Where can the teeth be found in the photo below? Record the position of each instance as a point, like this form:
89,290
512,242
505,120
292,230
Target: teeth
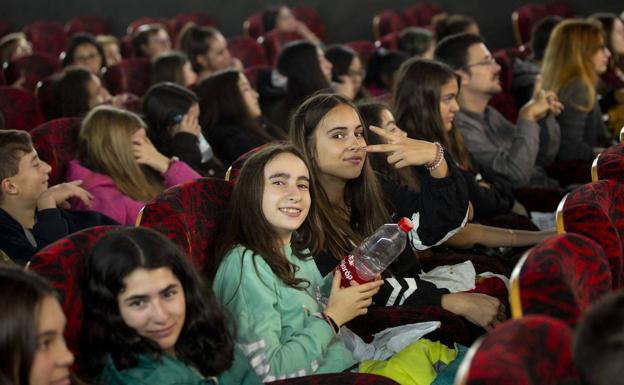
290,210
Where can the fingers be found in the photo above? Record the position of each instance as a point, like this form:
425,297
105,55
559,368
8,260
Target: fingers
537,88
382,147
384,134
336,280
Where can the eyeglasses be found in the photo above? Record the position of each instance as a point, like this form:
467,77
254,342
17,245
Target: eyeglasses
486,62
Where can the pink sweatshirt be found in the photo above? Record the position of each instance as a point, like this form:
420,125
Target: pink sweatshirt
108,200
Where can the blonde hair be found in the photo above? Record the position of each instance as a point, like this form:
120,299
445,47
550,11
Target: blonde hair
106,147
568,57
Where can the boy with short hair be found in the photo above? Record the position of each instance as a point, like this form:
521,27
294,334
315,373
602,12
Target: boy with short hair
31,216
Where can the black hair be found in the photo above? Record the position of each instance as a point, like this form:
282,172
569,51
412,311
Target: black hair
452,24
415,41
453,49
71,93
163,103
540,35
269,17
141,37
168,67
77,40
382,65
204,342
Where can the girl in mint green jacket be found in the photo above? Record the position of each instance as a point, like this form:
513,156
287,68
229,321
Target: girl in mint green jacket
150,319
267,279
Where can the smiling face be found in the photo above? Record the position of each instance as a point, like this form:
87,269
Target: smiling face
339,142
152,303
31,179
52,358
286,194
448,103
481,72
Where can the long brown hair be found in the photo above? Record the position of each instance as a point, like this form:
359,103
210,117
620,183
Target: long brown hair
568,57
105,146
417,105
245,224
363,195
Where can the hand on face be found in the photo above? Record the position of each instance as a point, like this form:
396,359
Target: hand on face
57,196
146,154
347,303
188,124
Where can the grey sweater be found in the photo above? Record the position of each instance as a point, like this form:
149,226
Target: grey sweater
518,152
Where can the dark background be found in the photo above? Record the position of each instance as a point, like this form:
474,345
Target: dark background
344,20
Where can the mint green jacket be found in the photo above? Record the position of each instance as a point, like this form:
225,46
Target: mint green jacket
170,371
275,323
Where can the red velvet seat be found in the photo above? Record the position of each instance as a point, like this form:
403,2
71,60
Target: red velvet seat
34,68
252,26
527,15
560,277
595,210
609,164
44,91
534,350
46,37
274,41
312,19
20,109
364,48
62,263
387,21
92,24
199,18
389,41
130,75
56,143
248,50
504,102
420,15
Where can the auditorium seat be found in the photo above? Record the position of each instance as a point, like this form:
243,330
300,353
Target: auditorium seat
92,24
56,142
20,109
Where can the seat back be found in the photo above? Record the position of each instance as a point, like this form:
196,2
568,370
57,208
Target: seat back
312,19
188,214
364,48
560,278
198,18
20,109
274,41
595,210
389,41
526,16
34,68
609,164
46,37
421,15
247,50
253,26
92,24
130,75
533,350
62,264
387,21
56,143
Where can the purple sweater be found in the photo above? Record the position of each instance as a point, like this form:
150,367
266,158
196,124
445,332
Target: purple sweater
108,200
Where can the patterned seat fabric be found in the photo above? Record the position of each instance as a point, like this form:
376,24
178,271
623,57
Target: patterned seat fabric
562,276
188,213
62,263
46,37
94,25
34,68
20,109
526,16
610,163
595,210
130,75
247,50
533,350
56,142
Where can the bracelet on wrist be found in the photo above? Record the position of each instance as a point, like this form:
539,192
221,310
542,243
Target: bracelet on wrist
437,161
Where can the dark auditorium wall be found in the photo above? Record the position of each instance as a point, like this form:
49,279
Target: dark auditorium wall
345,19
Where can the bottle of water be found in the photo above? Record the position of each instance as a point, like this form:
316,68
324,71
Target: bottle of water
375,253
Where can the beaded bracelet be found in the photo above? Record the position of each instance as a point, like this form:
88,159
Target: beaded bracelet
438,158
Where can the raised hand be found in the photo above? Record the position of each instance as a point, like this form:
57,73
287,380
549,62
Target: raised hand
344,304
541,103
145,153
403,151
57,196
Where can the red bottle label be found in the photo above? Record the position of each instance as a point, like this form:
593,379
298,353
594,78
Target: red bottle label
348,272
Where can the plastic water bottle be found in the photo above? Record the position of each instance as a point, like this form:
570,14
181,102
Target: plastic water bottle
375,253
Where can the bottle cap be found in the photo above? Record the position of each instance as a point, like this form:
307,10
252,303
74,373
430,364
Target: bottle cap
406,225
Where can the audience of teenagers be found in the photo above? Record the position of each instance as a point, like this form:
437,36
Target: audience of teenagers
119,166
331,146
